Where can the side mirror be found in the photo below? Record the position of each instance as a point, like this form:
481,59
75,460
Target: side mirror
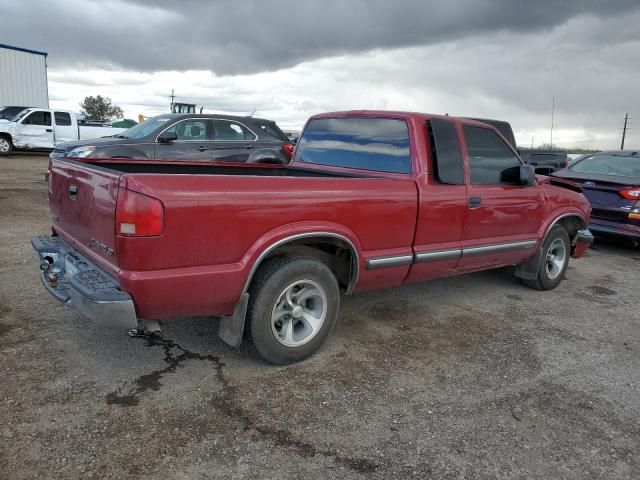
167,137
527,175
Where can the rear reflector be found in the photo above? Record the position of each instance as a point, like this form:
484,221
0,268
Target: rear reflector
138,215
631,193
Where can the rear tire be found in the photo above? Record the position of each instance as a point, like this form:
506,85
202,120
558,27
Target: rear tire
293,306
6,145
556,250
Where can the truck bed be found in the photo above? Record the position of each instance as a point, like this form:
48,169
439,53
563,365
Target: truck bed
216,219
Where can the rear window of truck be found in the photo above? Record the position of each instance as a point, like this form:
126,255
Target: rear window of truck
377,144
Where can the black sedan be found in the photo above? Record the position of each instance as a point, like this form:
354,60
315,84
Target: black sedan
190,137
611,182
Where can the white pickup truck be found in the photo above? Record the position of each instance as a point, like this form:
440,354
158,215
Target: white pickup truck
43,129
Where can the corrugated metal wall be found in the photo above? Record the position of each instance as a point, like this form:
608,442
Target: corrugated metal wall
23,79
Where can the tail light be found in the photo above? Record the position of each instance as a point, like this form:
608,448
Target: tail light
138,215
631,193
288,150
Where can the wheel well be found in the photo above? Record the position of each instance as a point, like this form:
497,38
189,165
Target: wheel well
337,254
7,136
572,224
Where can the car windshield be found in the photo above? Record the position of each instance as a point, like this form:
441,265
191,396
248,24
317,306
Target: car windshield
607,164
20,115
143,129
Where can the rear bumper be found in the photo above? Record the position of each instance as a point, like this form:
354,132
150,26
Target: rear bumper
614,229
81,285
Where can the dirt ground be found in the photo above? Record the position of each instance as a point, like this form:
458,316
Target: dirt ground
468,377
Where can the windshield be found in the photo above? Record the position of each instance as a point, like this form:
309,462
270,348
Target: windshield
616,165
20,115
145,128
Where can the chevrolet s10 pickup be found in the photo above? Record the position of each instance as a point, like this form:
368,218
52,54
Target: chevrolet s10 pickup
370,200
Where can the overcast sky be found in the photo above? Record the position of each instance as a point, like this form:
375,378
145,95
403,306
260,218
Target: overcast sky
289,59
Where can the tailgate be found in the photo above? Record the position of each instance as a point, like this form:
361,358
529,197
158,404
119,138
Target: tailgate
82,199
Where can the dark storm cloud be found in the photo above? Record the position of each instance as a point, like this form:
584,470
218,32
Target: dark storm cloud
234,36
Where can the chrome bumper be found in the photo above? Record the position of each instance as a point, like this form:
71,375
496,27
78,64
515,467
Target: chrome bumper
81,285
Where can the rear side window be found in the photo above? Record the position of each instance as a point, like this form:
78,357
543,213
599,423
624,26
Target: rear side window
272,129
490,159
227,130
378,144
445,152
62,118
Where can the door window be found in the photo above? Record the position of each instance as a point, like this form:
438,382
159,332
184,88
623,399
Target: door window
190,130
63,119
491,161
445,152
226,130
38,118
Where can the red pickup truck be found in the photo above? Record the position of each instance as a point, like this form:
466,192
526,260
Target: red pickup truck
370,200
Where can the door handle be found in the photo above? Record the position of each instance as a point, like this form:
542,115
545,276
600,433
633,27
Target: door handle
475,202
201,148
49,130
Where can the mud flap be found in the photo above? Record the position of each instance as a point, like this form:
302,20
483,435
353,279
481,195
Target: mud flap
231,327
529,270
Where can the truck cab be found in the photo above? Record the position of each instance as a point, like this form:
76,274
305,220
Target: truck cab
43,129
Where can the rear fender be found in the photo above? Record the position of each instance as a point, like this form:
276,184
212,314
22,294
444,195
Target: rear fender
280,236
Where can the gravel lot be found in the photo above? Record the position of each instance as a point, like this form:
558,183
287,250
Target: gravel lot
468,377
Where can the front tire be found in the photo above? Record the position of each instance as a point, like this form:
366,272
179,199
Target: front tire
556,250
293,306
6,145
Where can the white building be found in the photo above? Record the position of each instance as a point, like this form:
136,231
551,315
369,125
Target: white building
23,77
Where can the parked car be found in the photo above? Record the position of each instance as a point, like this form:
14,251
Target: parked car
208,137
370,200
545,161
43,129
611,182
8,112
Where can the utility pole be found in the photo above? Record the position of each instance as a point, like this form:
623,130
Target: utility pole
553,110
531,143
624,130
173,97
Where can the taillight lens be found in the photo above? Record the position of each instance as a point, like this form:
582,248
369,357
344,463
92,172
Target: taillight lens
138,215
631,193
288,149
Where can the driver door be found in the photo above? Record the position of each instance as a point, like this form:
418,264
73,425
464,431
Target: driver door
192,142
35,130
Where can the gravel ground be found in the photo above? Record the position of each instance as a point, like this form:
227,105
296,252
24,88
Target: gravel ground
468,377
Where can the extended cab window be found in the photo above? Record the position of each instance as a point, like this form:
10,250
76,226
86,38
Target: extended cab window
490,159
62,118
380,144
38,118
445,152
